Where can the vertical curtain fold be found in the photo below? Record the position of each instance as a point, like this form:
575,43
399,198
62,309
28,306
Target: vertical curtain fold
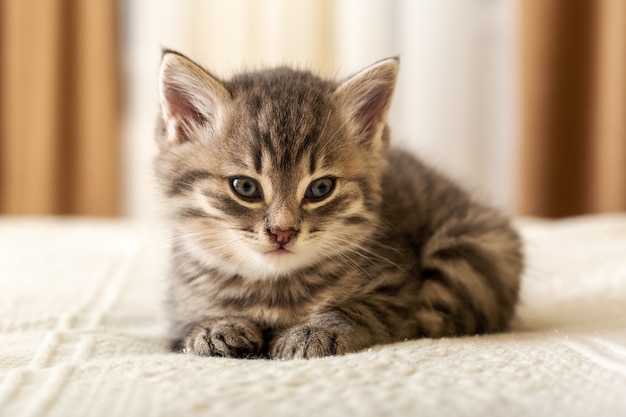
59,108
573,110
608,164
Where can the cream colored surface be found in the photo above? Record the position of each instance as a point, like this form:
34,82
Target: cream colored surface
81,334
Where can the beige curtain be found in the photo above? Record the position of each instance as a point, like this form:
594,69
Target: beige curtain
573,107
59,107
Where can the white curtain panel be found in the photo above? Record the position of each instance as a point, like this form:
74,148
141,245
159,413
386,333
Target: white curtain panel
455,103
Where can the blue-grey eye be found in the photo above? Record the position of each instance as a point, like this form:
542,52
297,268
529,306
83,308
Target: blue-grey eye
320,189
246,188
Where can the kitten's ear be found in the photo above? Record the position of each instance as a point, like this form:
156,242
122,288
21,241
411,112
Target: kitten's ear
366,97
191,99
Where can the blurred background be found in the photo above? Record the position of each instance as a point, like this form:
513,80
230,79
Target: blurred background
522,101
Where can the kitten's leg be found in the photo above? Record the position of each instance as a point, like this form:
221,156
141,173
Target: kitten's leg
470,277
232,337
380,315
325,334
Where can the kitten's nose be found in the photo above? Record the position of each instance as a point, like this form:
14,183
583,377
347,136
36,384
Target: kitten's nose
282,237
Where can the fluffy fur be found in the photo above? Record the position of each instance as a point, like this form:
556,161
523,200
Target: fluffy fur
299,233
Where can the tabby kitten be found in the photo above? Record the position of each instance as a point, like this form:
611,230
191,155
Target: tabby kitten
299,233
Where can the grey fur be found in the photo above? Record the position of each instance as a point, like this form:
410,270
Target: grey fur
396,251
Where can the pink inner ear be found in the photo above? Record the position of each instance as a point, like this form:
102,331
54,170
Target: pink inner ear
372,112
181,108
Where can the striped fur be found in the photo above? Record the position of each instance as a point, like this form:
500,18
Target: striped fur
394,251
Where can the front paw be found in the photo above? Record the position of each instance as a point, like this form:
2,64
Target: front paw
224,337
311,341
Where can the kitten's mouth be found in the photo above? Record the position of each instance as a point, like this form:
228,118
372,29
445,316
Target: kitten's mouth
279,251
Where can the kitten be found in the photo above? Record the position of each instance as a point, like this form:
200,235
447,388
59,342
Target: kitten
299,233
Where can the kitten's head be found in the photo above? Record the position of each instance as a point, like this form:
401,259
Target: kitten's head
275,170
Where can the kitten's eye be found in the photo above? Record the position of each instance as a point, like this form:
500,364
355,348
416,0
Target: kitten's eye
246,188
320,189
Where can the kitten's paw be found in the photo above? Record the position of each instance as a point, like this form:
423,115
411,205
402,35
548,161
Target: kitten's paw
226,337
310,341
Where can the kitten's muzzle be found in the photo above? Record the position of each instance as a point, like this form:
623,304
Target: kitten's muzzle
282,237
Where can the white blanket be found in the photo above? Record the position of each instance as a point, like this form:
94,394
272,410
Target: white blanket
82,334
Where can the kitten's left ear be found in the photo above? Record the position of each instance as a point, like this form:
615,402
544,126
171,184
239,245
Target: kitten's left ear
366,97
192,100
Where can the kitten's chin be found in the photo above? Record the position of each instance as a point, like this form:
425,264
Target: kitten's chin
273,263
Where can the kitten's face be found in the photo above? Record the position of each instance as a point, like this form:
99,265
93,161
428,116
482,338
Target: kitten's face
272,171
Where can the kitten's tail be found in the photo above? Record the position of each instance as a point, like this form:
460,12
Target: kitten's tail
470,276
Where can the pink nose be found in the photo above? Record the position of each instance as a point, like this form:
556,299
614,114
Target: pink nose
282,237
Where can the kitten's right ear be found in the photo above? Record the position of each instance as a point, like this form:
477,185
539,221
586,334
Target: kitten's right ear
191,99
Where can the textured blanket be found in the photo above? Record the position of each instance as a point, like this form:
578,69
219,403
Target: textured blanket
82,334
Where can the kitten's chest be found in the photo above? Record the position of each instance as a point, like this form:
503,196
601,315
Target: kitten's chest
275,302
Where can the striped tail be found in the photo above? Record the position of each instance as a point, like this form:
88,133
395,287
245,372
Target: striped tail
470,276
